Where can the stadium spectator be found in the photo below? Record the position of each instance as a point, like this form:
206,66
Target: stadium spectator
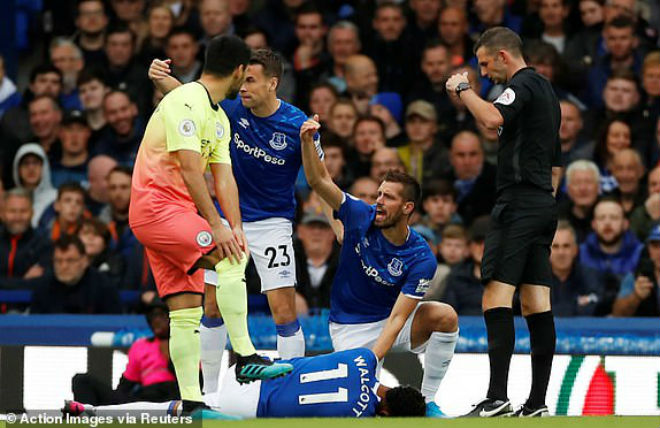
31,172
439,205
361,76
389,109
464,289
72,287
615,137
366,189
321,97
98,169
452,250
628,171
255,38
15,124
651,84
423,22
215,19
149,374
390,48
619,36
160,21
69,211
457,117
334,150
576,290
639,294
368,136
71,163
611,247
182,48
92,89
647,35
582,49
384,160
123,71
317,257
453,31
309,58
435,66
115,214
91,24
573,146
343,42
131,14
276,18
423,157
583,187
121,139
493,13
9,95
24,253
68,58
648,214
95,236
45,120
341,119
553,14
473,177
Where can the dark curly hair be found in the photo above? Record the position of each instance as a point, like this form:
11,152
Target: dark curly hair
405,401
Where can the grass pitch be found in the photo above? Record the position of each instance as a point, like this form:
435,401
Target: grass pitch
553,422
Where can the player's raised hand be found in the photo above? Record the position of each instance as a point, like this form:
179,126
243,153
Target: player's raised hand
309,128
159,69
227,245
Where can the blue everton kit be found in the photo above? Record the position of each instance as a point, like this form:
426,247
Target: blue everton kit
373,270
341,384
266,158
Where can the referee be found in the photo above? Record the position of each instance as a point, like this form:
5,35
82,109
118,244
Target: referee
524,218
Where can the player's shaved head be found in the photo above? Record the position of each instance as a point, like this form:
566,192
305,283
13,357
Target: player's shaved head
224,54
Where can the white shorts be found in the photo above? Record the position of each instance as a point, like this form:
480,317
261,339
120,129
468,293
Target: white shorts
365,335
235,399
271,246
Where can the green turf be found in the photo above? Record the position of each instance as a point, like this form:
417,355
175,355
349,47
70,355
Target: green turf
554,422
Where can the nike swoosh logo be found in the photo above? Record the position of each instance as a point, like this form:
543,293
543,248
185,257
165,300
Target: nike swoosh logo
487,414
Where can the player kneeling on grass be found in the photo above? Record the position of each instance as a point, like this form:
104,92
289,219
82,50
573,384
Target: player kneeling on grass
340,384
385,268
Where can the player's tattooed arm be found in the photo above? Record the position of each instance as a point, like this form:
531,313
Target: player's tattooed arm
160,74
402,309
317,175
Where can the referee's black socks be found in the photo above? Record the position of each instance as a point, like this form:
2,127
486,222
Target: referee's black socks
542,340
501,336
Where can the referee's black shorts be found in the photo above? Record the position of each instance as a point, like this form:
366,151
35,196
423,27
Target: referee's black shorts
517,247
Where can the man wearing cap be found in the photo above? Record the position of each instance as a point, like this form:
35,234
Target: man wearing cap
317,257
639,294
423,158
71,165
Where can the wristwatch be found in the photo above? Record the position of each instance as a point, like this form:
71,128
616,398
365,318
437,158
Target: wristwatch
463,86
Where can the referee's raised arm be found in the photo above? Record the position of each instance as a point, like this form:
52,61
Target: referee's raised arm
524,219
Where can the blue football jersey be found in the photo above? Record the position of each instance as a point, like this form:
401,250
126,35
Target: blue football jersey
373,271
341,384
266,158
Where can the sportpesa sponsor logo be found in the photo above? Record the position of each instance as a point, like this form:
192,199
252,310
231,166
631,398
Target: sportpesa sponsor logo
257,152
371,271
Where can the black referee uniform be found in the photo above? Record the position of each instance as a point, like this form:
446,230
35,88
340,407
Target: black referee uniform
524,218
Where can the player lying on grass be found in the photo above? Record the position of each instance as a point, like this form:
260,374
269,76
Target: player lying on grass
385,268
340,384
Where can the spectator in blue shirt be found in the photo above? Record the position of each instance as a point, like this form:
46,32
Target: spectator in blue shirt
611,247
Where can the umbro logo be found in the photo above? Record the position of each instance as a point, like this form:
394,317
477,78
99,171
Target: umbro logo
244,123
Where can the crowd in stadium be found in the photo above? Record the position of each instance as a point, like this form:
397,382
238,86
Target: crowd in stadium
375,73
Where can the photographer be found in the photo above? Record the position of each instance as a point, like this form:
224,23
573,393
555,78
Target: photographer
639,295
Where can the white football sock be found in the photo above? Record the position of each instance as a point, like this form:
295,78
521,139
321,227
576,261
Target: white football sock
213,341
438,355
